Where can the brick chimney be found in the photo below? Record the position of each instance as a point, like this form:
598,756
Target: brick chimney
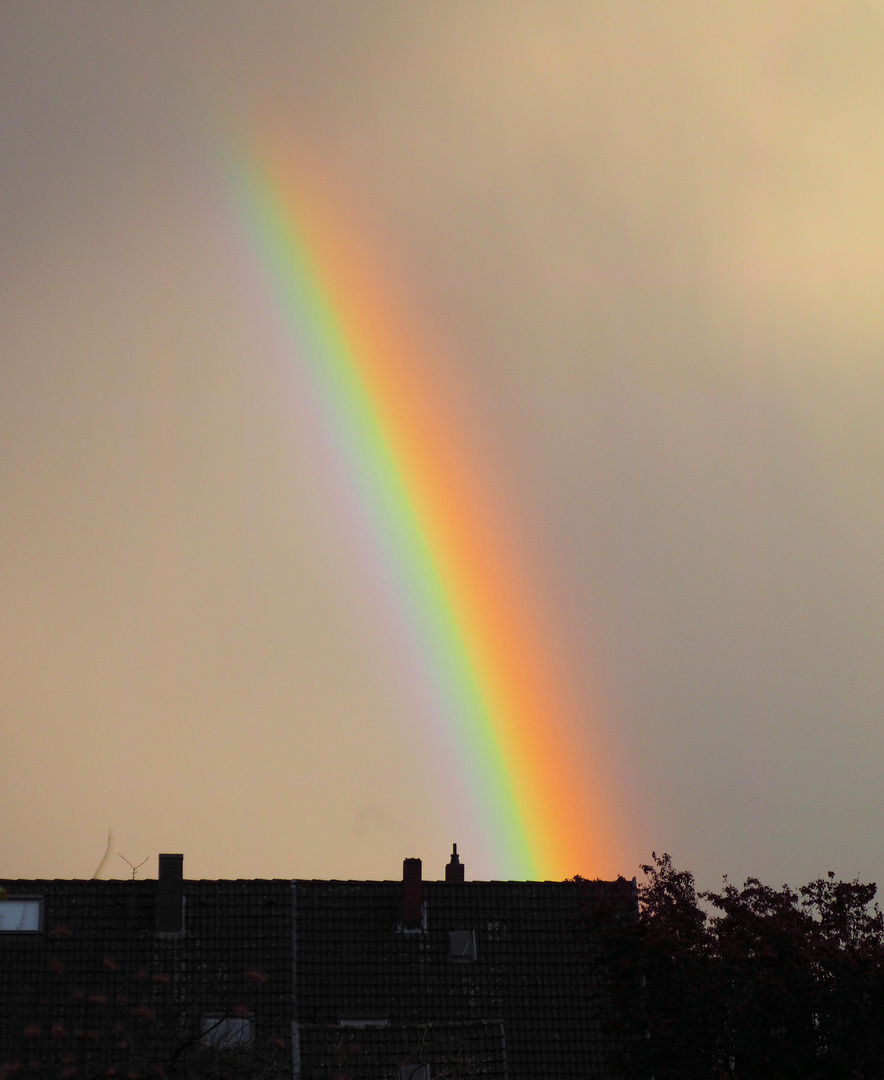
170,895
412,894
454,869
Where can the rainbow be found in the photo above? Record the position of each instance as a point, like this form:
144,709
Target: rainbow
454,577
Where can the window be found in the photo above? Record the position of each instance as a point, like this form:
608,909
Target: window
462,945
364,1021
226,1032
412,1071
21,915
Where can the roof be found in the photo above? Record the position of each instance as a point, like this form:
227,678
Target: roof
98,975
306,962
532,970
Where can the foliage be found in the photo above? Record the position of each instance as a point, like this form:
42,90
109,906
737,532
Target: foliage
748,983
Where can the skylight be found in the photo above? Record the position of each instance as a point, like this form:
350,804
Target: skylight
21,915
226,1032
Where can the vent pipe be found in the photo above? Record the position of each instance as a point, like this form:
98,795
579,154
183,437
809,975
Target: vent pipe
454,869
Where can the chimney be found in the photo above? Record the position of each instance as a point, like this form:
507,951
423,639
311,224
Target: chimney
170,895
412,894
454,869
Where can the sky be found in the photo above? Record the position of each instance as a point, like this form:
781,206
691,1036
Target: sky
640,246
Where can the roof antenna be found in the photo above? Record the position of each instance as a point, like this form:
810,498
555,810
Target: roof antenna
133,866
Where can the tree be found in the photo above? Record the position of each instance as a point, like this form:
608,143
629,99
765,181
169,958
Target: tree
750,983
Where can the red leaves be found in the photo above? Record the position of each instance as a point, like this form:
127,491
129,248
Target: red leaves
240,1010
60,932
255,976
145,1012
56,967
109,964
32,1031
57,1031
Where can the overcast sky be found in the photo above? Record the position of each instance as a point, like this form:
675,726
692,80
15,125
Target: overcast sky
647,241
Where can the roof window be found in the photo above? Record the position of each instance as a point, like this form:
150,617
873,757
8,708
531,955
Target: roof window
226,1032
462,945
412,1071
21,915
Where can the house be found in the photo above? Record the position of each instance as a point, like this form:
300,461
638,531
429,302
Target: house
405,980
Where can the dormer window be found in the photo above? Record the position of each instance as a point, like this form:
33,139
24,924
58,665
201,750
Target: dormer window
21,915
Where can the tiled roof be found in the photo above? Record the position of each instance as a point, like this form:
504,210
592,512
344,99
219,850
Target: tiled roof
476,1048
98,975
532,971
514,995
